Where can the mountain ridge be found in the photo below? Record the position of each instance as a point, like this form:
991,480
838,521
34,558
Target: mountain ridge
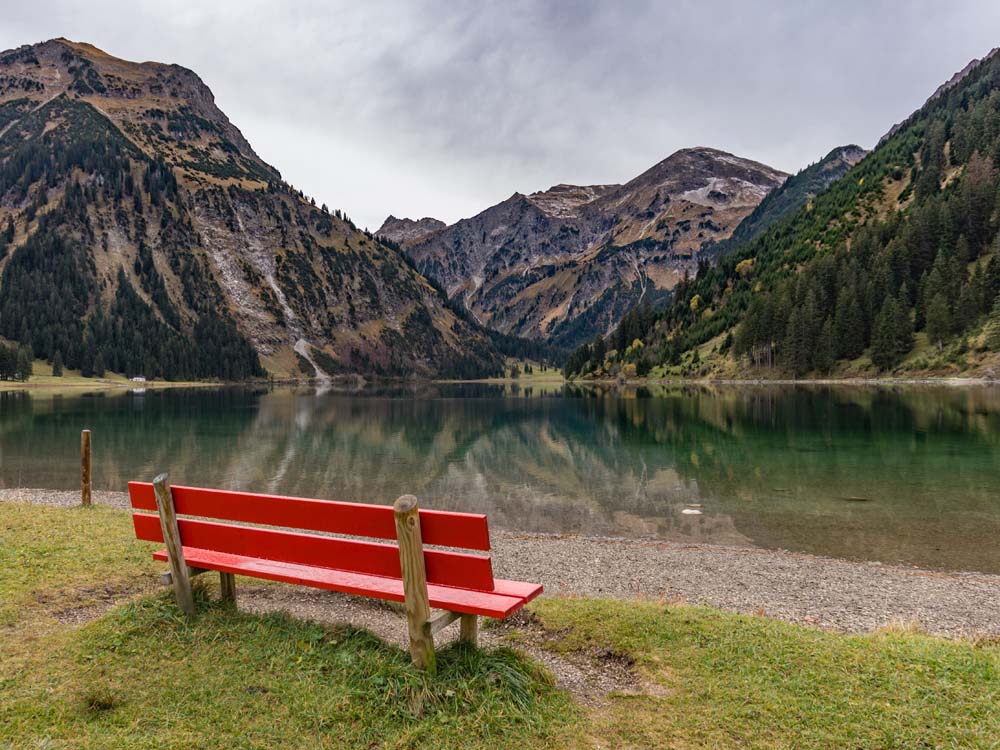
893,269
565,263
177,230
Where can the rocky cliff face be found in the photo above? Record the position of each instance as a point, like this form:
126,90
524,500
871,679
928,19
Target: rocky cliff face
142,233
408,231
566,263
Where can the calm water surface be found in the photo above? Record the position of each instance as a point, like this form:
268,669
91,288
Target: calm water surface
899,475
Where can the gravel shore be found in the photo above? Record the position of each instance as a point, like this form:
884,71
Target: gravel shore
821,592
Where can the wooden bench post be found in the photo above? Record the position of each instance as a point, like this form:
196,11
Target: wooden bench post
411,560
469,629
228,585
85,485
172,539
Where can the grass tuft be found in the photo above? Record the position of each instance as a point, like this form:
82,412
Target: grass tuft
100,698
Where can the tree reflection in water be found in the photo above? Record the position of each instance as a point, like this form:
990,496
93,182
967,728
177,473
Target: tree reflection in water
895,474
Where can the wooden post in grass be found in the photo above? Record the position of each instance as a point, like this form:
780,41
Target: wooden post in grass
85,488
228,582
411,560
469,626
172,538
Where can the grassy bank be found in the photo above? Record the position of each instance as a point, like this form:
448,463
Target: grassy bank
135,674
70,381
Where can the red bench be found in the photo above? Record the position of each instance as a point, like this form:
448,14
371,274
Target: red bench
460,583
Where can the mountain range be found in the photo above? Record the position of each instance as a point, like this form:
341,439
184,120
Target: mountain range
566,263
141,233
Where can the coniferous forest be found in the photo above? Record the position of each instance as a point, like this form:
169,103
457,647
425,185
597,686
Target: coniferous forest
906,243
141,234
50,296
15,362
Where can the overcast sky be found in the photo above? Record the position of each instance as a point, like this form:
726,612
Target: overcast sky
442,108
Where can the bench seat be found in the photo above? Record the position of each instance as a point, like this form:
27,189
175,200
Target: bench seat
506,598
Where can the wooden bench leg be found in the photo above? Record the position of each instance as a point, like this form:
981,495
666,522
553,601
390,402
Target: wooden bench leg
228,581
469,629
172,539
168,580
411,561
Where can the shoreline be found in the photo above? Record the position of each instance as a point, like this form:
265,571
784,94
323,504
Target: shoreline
955,382
99,384
50,384
826,593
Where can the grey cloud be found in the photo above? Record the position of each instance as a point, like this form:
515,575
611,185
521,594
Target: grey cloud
442,108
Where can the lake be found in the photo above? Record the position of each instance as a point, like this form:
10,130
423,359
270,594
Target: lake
908,474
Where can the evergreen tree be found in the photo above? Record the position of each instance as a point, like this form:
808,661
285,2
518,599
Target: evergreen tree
24,363
902,327
57,365
885,348
993,328
798,343
8,362
938,320
849,324
991,276
826,348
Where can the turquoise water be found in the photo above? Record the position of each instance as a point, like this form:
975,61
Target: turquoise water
899,475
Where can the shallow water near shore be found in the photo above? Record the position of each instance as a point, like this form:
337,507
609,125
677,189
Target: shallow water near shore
896,474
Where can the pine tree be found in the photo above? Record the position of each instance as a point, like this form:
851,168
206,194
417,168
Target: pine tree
826,348
902,327
885,351
938,320
57,365
991,277
798,346
24,364
993,328
849,324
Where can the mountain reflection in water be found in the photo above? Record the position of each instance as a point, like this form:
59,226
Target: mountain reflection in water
894,474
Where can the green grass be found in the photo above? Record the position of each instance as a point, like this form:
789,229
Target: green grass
53,559
752,682
141,676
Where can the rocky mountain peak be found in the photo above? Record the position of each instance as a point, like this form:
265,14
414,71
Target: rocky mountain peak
407,231
564,200
166,110
566,263
709,177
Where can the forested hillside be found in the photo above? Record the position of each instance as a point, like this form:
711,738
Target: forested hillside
140,233
894,268
794,193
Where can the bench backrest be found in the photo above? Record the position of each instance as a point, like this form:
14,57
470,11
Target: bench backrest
441,528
